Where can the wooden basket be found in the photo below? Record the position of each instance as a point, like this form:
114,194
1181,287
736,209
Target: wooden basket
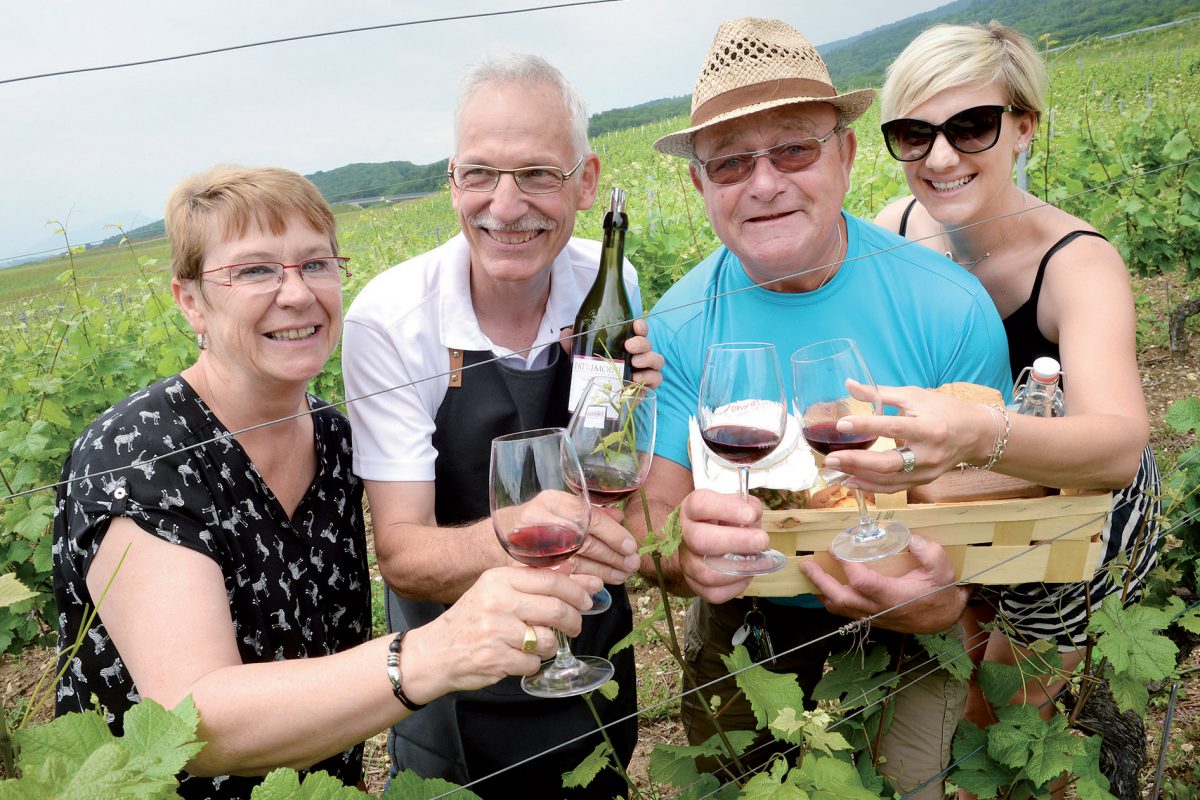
989,541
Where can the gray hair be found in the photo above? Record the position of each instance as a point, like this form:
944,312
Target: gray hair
526,70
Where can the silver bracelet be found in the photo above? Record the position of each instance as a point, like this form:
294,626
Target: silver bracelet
1003,430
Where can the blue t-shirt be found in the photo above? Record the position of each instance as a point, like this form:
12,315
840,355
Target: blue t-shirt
918,319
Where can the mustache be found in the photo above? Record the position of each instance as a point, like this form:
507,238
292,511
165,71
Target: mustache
532,221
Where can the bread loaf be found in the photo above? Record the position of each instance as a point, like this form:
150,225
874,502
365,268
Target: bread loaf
971,392
837,496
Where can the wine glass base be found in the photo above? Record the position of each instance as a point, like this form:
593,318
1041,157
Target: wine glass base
587,674
858,544
747,564
601,602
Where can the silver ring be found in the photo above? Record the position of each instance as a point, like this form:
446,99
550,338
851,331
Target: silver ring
910,460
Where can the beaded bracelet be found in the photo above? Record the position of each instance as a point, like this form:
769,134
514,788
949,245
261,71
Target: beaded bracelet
393,673
1002,434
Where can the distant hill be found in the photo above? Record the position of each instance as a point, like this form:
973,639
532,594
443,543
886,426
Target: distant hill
355,181
853,63
861,60
643,114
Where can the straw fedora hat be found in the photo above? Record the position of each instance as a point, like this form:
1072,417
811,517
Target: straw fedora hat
753,65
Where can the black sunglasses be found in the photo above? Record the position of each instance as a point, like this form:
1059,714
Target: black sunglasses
970,131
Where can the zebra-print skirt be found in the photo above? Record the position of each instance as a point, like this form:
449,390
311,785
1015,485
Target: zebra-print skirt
1059,612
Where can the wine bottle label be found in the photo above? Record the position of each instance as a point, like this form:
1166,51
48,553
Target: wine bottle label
585,368
595,416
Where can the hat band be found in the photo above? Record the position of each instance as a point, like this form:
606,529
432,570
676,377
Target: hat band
746,96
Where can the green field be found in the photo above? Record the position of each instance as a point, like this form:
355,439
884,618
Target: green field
97,269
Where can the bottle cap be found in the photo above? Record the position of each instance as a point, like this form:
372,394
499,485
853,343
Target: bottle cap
1045,369
617,201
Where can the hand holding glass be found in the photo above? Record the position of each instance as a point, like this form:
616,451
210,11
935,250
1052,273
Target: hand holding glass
820,372
540,512
742,415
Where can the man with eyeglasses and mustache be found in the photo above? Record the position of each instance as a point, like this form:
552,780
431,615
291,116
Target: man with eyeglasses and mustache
771,153
458,346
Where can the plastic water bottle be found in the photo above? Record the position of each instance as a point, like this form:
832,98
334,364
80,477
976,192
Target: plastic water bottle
1038,391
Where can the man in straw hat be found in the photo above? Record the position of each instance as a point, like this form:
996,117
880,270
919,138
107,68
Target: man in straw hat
770,151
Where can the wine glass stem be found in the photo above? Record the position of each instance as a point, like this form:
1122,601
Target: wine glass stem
867,529
564,658
744,483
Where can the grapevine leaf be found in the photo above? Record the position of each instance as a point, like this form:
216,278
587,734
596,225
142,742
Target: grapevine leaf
589,768
788,727
1179,148
285,784
1021,738
610,690
999,681
1184,415
1128,693
811,727
767,692
1190,621
856,680
1090,783
12,591
1127,638
666,540
768,785
642,632
164,741
676,764
408,785
949,651
824,778
70,739
977,772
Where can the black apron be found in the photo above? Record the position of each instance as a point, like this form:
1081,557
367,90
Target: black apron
469,735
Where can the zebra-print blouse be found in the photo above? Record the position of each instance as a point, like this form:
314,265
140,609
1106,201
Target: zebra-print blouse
297,588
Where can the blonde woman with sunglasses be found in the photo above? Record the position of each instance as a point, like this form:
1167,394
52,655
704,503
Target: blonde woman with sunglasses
960,105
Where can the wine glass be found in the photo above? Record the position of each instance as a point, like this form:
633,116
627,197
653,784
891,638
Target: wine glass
540,512
820,372
612,430
742,416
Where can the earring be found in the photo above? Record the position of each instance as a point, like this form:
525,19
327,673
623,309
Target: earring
201,341
1020,146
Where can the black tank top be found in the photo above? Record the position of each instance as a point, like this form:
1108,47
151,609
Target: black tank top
1025,339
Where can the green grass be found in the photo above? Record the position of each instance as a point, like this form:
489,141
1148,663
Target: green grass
37,283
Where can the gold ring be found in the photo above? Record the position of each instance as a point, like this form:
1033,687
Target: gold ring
530,642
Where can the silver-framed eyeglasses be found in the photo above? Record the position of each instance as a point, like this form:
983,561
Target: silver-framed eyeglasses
531,180
267,276
734,168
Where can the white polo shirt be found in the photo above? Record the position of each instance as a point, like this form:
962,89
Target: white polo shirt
397,337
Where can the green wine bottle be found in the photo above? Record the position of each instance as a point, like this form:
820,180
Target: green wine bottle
605,318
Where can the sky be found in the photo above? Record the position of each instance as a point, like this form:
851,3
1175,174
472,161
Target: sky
106,147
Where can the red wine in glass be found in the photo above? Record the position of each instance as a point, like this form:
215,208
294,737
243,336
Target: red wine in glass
742,413
820,373
612,428
541,514
608,486
741,444
543,545
825,438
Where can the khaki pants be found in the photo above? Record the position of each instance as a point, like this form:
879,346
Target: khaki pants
928,703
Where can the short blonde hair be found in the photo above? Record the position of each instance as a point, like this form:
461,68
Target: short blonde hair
948,56
226,199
